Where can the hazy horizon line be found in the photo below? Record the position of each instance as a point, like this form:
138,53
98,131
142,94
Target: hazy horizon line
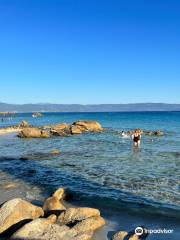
86,104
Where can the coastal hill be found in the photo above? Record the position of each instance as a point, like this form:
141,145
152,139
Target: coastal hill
48,107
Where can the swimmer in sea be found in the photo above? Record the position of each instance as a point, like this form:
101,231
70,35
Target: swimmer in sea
136,137
124,135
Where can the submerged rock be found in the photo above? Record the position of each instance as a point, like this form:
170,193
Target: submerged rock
33,133
17,210
55,152
154,133
38,156
8,186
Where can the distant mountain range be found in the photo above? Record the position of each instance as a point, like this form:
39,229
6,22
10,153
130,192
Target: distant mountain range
48,107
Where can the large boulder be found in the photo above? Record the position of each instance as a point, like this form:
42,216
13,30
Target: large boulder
41,229
76,129
88,126
33,133
72,215
53,204
17,210
62,130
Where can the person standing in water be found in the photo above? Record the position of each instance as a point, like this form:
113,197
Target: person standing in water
136,137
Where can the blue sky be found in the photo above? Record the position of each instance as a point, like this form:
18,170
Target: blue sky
89,51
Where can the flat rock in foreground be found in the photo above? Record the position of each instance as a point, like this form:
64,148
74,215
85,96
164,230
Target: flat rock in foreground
17,210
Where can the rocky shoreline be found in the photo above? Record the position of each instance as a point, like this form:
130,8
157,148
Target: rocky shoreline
25,130
28,131
20,219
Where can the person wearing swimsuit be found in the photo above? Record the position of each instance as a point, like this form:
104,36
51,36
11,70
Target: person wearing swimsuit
136,137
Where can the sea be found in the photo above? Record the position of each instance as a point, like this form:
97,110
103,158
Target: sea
101,170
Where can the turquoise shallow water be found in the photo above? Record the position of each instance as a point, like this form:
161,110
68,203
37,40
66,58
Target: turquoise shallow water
102,167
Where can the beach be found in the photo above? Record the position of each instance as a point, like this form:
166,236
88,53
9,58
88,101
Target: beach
9,130
101,170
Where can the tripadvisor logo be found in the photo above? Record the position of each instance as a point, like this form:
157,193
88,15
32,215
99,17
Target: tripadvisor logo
140,231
